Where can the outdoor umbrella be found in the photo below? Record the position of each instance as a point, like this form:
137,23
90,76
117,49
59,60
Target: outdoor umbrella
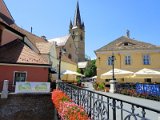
69,72
118,73
70,75
147,73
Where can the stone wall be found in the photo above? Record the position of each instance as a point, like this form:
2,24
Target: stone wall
27,107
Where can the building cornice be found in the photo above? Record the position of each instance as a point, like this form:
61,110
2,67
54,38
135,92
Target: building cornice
25,64
128,51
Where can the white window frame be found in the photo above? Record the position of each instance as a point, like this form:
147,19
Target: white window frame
127,60
146,59
14,82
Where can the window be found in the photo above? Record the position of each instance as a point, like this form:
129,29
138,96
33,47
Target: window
81,37
70,56
127,60
19,77
146,60
70,45
110,60
148,80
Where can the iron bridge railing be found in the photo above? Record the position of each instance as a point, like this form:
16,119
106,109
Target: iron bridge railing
103,107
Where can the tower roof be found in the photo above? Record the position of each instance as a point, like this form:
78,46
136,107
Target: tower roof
77,17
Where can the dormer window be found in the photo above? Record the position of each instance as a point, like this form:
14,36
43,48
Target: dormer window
127,44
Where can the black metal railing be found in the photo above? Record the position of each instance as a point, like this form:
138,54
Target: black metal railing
102,107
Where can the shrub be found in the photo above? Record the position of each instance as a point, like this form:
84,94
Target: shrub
101,86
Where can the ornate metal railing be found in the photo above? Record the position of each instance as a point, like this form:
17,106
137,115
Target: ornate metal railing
102,107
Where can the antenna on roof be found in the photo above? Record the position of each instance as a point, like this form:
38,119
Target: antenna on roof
31,29
128,33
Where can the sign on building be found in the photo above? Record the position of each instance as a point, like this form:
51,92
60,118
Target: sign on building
150,89
32,87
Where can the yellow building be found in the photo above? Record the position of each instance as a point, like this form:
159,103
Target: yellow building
131,55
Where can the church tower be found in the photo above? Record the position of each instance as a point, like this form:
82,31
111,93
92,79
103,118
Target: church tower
77,30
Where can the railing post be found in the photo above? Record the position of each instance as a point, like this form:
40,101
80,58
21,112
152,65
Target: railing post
114,109
158,116
90,104
78,97
71,91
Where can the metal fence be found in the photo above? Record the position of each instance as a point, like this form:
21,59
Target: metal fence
103,107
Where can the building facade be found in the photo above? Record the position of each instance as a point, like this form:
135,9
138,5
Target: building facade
20,58
131,55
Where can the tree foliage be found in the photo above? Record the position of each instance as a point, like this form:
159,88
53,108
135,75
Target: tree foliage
91,69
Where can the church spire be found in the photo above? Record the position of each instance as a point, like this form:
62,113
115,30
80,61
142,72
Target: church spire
70,25
77,16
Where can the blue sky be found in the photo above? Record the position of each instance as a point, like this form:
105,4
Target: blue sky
105,20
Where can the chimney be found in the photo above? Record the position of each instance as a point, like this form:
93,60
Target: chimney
31,29
43,37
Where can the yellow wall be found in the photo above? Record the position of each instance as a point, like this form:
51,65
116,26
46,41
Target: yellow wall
136,62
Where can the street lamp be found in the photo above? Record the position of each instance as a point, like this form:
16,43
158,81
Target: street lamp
113,59
113,81
59,69
59,65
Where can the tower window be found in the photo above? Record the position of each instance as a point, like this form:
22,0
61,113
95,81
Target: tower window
81,37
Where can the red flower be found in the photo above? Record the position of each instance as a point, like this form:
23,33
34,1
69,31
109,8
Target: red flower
66,108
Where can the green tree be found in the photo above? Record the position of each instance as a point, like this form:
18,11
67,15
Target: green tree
91,69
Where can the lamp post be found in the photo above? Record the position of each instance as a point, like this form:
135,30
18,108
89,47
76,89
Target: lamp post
59,65
113,81
113,59
59,69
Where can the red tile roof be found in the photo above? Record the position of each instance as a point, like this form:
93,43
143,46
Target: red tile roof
18,52
5,14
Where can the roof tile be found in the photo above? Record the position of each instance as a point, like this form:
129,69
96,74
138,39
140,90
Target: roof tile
18,52
125,43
